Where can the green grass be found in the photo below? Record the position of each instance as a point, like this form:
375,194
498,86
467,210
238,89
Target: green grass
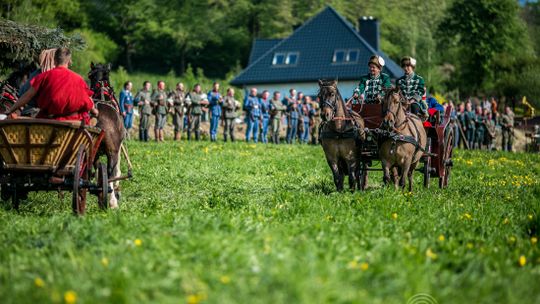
239,223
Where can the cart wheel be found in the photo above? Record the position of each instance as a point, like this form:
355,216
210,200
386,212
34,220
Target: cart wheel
364,176
427,164
447,159
103,184
78,203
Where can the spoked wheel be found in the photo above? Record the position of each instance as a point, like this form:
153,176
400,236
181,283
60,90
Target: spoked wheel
427,164
363,176
103,184
447,158
78,202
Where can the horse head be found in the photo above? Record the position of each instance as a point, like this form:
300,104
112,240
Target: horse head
393,108
328,96
99,73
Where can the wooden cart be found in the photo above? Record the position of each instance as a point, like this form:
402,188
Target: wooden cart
49,155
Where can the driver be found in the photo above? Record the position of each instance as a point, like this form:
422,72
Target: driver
371,86
60,93
413,87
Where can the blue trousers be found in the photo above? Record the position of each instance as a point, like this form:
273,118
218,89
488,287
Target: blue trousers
264,132
292,129
252,129
128,121
305,134
214,123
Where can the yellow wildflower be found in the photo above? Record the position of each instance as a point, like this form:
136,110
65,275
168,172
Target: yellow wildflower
364,266
195,298
534,240
467,216
225,279
430,254
522,261
530,216
394,216
70,297
39,282
470,245
506,221
441,238
137,242
104,261
206,150
353,264
512,239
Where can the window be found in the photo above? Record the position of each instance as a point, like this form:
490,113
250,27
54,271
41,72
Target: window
345,56
285,59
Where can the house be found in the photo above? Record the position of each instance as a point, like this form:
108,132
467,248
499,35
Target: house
325,47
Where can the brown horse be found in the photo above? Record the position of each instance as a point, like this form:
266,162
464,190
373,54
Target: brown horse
111,122
340,135
406,143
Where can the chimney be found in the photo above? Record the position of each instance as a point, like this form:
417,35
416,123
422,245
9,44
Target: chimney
369,30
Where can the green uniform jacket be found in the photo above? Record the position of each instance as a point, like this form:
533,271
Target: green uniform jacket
195,102
372,87
507,121
179,101
277,108
230,105
143,96
412,86
159,101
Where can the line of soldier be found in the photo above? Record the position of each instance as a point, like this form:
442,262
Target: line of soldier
263,115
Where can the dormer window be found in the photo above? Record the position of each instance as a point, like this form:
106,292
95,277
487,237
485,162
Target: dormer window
345,56
285,58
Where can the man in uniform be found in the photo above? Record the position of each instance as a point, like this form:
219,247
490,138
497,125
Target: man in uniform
288,100
196,100
507,125
126,106
265,112
470,124
230,106
252,105
276,111
178,97
214,100
480,127
305,109
371,86
413,87
143,99
490,130
315,122
293,113
159,103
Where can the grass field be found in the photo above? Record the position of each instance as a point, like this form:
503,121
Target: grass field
240,223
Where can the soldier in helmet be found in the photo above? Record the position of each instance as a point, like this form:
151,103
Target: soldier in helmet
196,100
371,86
413,87
159,102
178,97
143,99
229,108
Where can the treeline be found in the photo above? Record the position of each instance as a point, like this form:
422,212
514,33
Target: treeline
464,47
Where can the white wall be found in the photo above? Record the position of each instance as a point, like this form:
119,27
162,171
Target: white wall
345,88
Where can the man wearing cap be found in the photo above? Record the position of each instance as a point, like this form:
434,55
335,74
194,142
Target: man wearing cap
371,86
413,87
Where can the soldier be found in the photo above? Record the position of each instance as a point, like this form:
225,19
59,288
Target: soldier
196,100
230,106
480,128
292,98
470,124
276,111
413,87
305,109
159,102
214,100
507,125
252,105
315,122
293,116
143,99
490,130
126,106
178,97
265,111
371,86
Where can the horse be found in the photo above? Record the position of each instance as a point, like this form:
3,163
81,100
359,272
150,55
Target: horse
340,135
404,146
110,121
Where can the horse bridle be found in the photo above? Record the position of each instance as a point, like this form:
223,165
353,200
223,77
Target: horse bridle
333,107
400,107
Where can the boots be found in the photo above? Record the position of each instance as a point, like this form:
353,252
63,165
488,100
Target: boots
197,135
176,135
160,132
156,134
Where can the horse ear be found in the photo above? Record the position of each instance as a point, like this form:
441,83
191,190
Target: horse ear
92,64
321,83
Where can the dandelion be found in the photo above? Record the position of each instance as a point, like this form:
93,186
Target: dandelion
467,216
534,240
206,150
469,162
522,261
530,216
39,282
364,266
506,221
430,254
394,216
225,279
137,242
352,264
70,297
470,245
104,262
441,238
195,298
512,240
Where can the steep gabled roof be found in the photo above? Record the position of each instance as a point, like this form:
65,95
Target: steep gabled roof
261,46
315,41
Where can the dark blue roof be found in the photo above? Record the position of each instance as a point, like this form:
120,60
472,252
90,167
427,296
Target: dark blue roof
315,41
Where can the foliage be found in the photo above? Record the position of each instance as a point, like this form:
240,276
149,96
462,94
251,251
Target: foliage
99,48
240,223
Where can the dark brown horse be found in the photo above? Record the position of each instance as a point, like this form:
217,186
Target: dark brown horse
342,131
404,148
111,122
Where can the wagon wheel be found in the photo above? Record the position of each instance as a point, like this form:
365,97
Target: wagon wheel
363,176
447,158
103,184
78,202
427,164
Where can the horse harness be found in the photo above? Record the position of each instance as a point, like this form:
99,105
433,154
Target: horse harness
332,134
104,94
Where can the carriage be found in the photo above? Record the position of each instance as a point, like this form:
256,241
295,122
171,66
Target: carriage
437,158
49,155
